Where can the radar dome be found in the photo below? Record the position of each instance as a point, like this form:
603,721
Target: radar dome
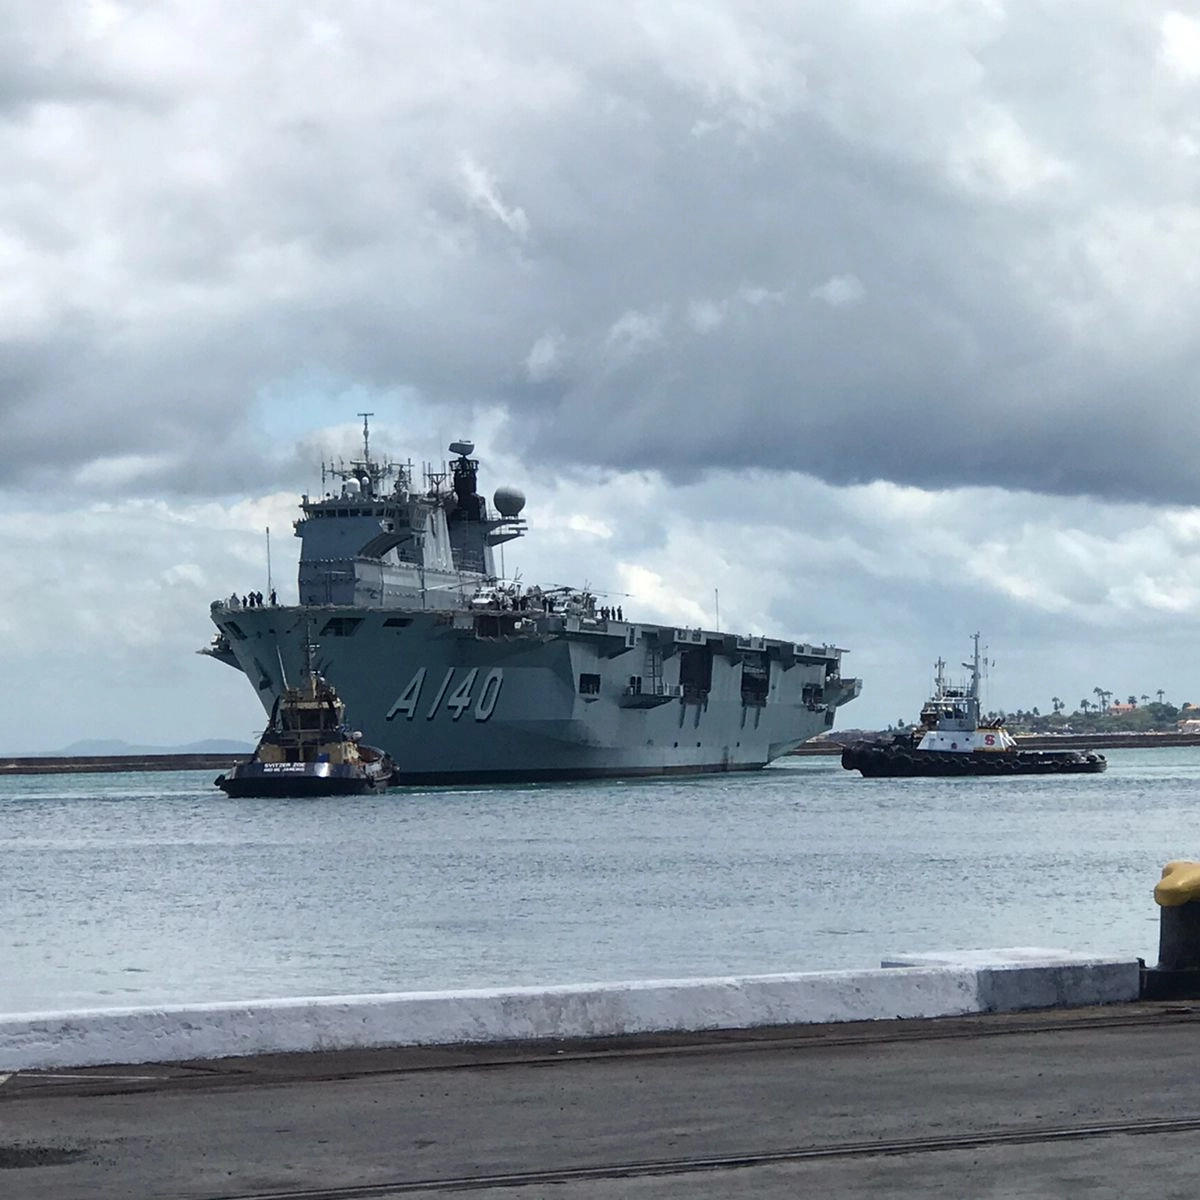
509,501
466,449
351,487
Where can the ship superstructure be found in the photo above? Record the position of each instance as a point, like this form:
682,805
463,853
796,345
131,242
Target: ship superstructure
379,541
952,720
461,675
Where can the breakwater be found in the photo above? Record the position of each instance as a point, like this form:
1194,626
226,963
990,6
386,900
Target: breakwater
1047,741
116,763
1104,741
36,764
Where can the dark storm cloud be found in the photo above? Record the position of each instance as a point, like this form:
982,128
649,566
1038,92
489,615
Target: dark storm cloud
949,245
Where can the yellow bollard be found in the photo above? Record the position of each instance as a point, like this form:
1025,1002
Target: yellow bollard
1177,975
1180,883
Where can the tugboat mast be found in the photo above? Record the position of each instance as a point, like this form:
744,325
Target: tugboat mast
974,668
309,647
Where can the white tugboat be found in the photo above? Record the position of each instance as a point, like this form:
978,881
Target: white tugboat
952,738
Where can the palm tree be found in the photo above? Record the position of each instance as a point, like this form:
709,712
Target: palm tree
1160,694
1084,705
1144,698
1056,703
1099,693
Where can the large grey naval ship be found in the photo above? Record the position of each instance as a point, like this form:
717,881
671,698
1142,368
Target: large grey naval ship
463,676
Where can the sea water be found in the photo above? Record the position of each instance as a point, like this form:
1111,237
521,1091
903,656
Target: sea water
156,888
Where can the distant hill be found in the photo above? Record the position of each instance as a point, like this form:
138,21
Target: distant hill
93,747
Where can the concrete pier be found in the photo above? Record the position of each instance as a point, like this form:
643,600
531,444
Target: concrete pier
912,986
765,1086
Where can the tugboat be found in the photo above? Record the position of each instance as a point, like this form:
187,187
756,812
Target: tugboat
953,739
308,749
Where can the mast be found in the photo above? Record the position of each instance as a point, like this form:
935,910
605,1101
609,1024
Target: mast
309,647
973,705
974,668
366,438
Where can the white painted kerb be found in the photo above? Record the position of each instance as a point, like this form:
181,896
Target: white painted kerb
1021,977
205,1031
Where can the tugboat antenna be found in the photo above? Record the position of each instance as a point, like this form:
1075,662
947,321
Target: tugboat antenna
308,648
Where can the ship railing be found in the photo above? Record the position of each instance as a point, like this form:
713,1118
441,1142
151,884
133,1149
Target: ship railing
751,643
671,690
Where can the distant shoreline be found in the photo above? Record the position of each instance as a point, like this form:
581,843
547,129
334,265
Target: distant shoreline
32,764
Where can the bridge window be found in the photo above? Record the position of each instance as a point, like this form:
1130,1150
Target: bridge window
589,685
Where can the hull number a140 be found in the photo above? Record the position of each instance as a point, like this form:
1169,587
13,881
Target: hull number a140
452,696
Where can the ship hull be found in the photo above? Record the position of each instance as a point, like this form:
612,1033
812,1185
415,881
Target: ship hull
457,697
532,774
297,780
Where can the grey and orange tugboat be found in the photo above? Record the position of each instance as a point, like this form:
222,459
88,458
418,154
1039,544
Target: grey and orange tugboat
308,749
953,738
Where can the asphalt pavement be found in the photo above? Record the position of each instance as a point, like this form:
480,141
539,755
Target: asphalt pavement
1101,1102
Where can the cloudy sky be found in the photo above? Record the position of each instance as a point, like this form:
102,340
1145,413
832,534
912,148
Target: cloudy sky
878,320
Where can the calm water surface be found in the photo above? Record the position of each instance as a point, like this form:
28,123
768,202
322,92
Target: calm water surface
148,888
